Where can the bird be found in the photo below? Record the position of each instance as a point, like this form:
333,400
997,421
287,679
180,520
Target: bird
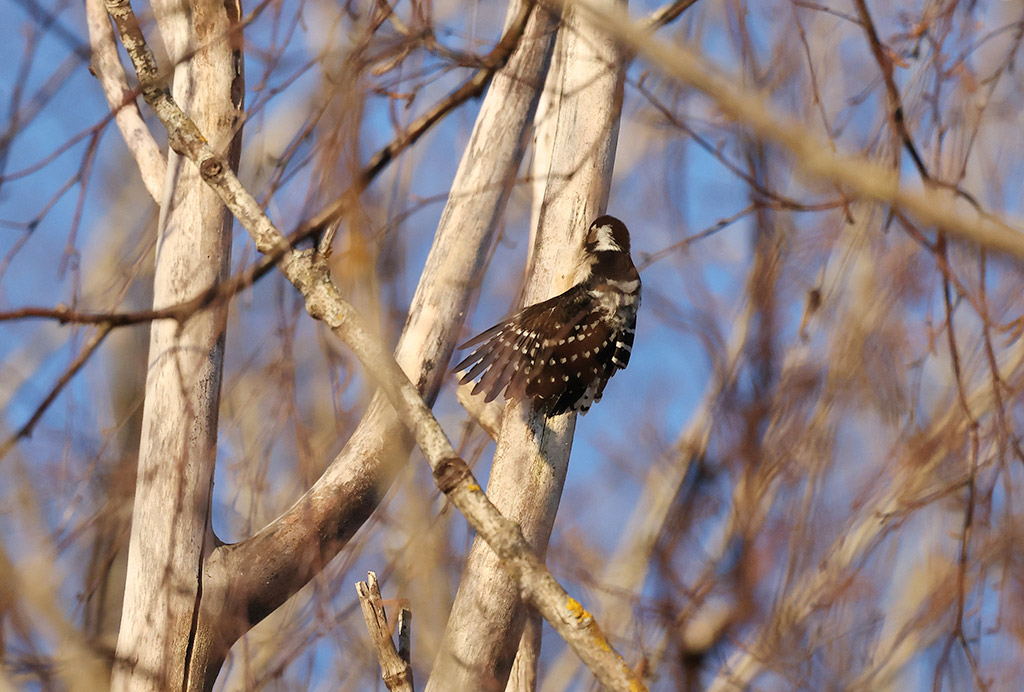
560,353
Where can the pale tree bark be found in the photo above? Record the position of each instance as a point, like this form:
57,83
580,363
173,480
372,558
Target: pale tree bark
531,459
626,571
255,576
243,583
171,536
524,674
309,273
813,157
107,68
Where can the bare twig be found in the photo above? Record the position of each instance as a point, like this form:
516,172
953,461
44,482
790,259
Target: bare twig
80,360
179,312
395,669
896,113
326,221
309,273
814,158
666,14
770,197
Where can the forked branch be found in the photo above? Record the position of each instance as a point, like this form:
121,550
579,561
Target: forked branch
394,662
309,273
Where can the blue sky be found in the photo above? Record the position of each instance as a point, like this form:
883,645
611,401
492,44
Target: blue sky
666,188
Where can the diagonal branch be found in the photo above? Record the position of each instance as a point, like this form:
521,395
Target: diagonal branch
814,158
309,273
25,430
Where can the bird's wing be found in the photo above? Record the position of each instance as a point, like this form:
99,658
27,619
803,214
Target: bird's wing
510,352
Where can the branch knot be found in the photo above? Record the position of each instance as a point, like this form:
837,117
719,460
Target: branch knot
449,473
211,168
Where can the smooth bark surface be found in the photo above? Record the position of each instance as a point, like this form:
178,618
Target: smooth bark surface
287,553
107,68
170,524
531,459
309,273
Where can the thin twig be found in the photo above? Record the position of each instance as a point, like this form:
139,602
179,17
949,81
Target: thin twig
666,14
895,101
896,111
309,273
25,430
811,156
325,222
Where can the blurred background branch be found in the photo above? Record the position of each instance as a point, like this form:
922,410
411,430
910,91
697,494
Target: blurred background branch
809,476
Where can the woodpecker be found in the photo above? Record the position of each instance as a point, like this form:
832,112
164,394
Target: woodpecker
560,353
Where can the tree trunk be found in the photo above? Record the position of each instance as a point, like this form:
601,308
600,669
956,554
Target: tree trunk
531,459
171,533
257,575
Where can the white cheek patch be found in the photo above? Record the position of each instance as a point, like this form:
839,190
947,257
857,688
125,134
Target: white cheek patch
626,286
605,240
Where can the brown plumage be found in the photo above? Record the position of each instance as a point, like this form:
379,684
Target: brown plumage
560,353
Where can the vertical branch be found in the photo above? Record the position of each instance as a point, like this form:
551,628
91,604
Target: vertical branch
531,459
258,574
170,525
